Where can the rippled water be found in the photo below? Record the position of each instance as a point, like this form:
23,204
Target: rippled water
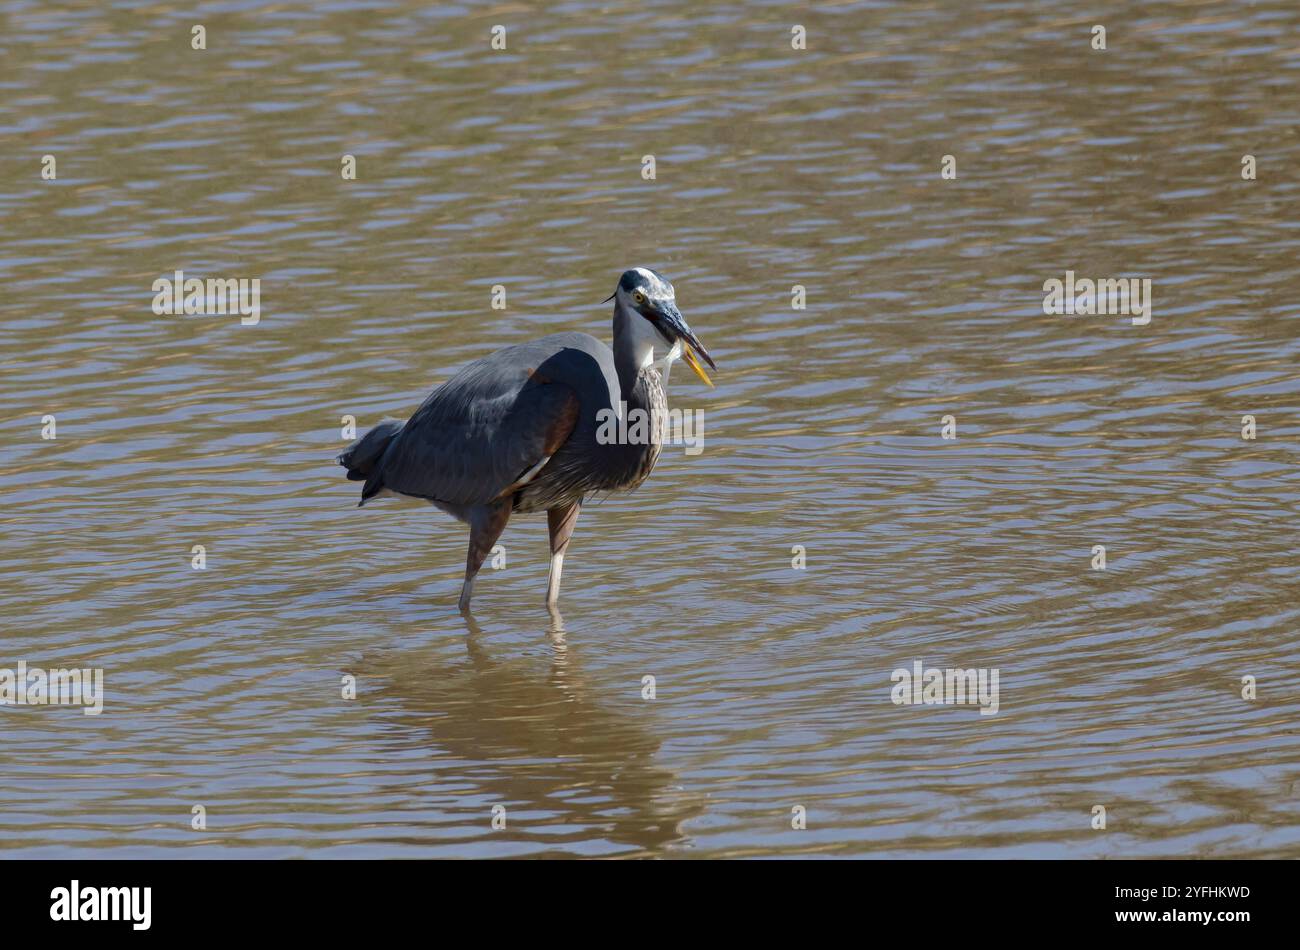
775,167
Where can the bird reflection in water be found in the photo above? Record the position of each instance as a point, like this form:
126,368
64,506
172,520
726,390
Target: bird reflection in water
570,754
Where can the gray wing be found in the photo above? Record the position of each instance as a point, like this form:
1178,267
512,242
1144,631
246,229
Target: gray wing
478,434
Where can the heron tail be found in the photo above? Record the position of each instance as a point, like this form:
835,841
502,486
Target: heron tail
363,456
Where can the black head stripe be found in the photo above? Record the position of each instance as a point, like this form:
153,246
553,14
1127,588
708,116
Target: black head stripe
650,282
630,281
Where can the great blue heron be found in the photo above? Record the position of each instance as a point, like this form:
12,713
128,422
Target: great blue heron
526,428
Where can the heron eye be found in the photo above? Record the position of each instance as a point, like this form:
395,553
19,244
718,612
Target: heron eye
639,297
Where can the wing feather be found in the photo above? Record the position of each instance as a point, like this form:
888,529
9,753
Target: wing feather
479,433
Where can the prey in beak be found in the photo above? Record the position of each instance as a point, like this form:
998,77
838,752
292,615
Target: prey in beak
688,354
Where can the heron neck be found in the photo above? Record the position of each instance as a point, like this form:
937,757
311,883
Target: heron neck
634,343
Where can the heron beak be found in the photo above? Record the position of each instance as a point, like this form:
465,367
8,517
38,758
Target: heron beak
690,343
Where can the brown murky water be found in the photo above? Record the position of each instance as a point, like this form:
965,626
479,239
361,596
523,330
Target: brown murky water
775,167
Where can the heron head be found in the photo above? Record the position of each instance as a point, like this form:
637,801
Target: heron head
647,300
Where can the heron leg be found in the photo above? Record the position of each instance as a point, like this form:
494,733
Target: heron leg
561,522
486,522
